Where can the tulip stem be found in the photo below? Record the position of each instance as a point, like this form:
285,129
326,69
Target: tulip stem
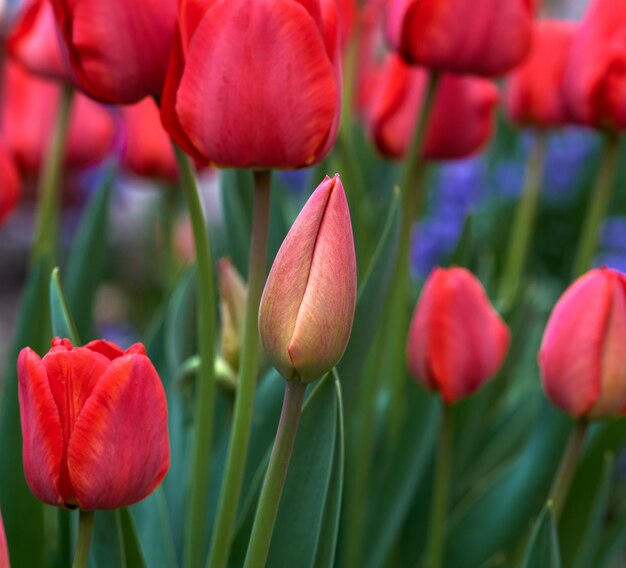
46,225
246,381
600,198
524,221
85,528
205,399
439,506
567,468
269,501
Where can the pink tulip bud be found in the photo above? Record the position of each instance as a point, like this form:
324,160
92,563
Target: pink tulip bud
309,299
4,550
582,353
457,341
233,294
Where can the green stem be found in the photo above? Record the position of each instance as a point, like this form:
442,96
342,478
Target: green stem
524,222
242,420
205,397
567,468
274,481
85,528
46,227
597,209
439,507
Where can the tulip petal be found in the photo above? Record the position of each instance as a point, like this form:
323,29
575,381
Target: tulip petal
4,549
258,88
119,450
41,429
572,347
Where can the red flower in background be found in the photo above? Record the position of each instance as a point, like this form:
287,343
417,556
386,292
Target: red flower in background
94,425
28,111
35,43
10,187
457,341
253,83
595,76
478,37
118,51
461,121
534,93
148,149
582,352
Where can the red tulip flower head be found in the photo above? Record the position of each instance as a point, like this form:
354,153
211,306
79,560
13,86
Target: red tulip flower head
255,83
309,299
457,341
476,37
461,121
10,185
118,50
534,93
582,353
94,425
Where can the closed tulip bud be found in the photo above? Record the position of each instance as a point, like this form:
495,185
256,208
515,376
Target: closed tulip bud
10,186
4,550
253,83
94,425
582,353
462,118
595,81
309,299
233,294
534,93
457,341
476,37
119,51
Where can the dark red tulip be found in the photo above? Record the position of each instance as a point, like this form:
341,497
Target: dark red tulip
148,149
534,93
253,83
94,425
28,112
10,187
582,352
34,41
457,341
461,121
118,51
478,37
595,76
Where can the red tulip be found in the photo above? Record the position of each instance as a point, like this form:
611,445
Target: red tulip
595,76
309,299
478,37
461,121
34,41
119,51
582,356
347,14
148,150
94,425
4,550
457,341
28,112
534,95
253,83
10,187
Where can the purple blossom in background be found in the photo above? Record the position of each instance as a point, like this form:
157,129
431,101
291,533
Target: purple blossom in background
612,247
458,189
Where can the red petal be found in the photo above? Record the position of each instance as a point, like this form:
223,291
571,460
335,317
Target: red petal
119,450
41,429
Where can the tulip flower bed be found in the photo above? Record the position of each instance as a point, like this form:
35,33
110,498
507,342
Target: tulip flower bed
390,329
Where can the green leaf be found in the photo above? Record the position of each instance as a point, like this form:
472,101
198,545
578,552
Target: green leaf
132,550
88,256
237,199
543,547
403,470
299,524
370,303
153,527
62,322
496,514
22,513
114,541
180,322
